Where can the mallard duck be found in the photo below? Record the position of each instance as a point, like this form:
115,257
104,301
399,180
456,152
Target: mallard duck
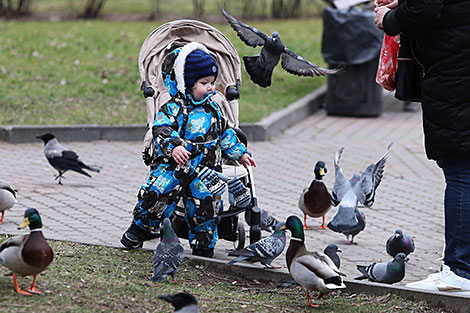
311,270
7,197
29,254
315,201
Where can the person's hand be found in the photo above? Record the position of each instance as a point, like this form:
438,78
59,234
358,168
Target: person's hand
391,4
247,160
180,155
379,16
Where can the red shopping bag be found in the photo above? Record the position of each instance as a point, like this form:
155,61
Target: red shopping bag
388,62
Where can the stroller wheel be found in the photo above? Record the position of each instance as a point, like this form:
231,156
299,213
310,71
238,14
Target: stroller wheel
240,242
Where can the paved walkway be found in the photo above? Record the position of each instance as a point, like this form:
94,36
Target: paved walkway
98,210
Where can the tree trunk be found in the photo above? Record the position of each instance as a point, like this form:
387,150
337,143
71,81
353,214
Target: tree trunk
198,7
93,8
295,8
277,8
155,8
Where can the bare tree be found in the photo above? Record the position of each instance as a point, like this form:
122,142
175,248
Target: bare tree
198,7
155,9
277,9
21,7
93,8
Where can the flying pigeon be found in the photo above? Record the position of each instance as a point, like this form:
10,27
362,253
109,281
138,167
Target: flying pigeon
260,68
330,250
168,255
7,197
264,250
62,159
385,272
347,193
182,302
267,221
400,243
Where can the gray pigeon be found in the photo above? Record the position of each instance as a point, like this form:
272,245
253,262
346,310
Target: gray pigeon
264,250
385,272
168,255
400,243
267,221
260,68
332,252
182,302
7,197
62,159
347,193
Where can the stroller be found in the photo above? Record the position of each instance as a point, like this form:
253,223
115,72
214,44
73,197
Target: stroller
153,51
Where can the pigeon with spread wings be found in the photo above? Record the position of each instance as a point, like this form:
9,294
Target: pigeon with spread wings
260,67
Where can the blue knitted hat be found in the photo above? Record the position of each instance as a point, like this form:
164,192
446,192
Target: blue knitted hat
198,64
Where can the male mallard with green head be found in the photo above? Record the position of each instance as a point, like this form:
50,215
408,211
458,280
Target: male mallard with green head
28,254
315,201
311,270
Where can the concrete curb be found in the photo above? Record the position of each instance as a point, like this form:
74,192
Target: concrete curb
456,303
260,131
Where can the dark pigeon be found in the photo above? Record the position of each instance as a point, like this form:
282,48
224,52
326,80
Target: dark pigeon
61,159
264,250
182,302
260,68
332,252
400,243
385,272
169,254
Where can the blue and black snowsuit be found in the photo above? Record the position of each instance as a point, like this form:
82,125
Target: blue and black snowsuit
203,131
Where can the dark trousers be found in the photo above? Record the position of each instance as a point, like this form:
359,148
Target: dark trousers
457,215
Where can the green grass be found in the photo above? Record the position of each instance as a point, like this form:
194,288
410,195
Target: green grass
85,72
86,278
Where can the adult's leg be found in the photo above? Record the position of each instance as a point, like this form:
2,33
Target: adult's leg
457,215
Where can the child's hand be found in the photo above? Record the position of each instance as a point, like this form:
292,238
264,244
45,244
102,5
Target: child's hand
180,155
246,160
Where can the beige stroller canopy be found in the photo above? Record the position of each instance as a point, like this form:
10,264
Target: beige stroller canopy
159,42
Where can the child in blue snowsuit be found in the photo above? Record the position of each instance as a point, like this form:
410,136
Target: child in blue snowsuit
191,137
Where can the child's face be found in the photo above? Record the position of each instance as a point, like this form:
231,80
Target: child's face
202,86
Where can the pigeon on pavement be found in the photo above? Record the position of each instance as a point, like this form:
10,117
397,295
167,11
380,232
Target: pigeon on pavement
332,252
264,250
7,197
267,221
400,243
182,302
260,68
62,159
347,193
385,272
168,255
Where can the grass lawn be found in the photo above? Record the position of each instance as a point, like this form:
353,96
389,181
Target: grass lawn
86,278
85,72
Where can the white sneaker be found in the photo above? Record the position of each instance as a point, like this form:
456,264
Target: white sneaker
445,280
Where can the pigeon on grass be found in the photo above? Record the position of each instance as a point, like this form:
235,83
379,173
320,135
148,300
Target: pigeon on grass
264,250
182,302
169,254
260,67
61,159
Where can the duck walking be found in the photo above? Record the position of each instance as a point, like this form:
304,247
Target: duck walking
7,197
315,201
311,270
27,255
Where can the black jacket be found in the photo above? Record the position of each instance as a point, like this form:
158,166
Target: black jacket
442,31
